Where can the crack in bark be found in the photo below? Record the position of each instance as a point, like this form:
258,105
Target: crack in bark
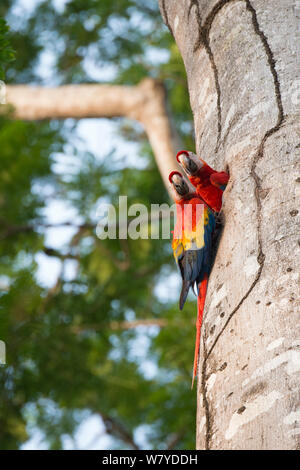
260,259
213,13
203,40
271,62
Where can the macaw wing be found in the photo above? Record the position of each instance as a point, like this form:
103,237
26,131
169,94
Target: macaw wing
178,252
192,245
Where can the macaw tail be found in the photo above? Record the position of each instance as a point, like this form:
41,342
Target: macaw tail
184,292
200,308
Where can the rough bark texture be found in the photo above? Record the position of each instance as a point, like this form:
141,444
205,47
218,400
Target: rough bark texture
242,63
144,103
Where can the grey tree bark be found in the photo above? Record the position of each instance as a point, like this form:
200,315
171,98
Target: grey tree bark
242,63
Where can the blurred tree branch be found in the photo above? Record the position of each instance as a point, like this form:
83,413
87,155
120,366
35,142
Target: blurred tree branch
116,429
129,325
145,103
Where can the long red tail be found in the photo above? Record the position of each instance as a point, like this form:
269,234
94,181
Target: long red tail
200,308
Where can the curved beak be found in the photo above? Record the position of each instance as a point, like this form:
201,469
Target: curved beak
188,164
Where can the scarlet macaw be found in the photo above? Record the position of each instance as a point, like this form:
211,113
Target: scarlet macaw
192,246
209,183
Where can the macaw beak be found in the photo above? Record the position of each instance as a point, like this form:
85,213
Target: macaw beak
180,185
188,164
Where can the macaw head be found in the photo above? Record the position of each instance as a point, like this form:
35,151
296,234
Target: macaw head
180,187
189,162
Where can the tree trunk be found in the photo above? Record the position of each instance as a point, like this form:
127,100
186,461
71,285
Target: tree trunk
242,64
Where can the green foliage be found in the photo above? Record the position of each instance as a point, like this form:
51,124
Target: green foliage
68,353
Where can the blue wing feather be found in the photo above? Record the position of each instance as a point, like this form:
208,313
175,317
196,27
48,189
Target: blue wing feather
195,263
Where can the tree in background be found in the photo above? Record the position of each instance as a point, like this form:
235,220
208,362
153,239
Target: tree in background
75,350
71,347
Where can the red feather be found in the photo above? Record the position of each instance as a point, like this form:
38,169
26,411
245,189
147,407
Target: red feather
207,184
200,308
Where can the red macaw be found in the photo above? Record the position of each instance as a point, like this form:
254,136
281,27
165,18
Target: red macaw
192,246
209,183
